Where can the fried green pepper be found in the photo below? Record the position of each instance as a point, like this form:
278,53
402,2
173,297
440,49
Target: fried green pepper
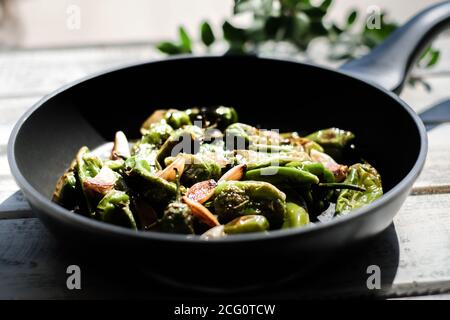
199,171
247,224
332,137
281,176
294,139
68,191
177,119
242,136
333,140
197,168
115,165
216,152
296,216
144,152
185,140
142,177
115,208
239,135
225,117
256,160
366,177
219,117
157,134
177,218
315,168
233,199
88,166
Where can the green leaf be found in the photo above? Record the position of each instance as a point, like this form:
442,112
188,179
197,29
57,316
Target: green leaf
314,13
233,34
334,31
169,48
351,18
429,57
241,6
207,34
272,26
290,4
300,30
325,5
318,29
257,7
435,55
185,40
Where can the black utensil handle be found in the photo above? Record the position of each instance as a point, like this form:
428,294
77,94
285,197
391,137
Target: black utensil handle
389,63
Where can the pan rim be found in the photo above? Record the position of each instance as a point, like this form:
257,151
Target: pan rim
57,212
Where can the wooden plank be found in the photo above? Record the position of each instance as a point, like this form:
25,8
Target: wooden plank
11,110
12,202
33,266
413,258
429,297
420,99
13,205
436,172
38,72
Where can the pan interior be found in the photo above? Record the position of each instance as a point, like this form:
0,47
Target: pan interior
272,94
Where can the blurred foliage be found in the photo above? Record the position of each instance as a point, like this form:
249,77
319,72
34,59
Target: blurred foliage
297,22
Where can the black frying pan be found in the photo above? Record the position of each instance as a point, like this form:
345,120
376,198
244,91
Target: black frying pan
272,93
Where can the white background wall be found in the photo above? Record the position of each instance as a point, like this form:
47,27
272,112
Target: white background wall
43,22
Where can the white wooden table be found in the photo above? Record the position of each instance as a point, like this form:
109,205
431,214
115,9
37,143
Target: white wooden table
413,254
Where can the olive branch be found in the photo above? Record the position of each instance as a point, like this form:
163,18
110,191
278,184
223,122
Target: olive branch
297,22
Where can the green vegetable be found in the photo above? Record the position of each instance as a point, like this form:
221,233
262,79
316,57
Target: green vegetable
177,119
184,140
233,199
115,165
193,179
217,117
157,133
225,116
295,217
366,177
115,208
68,192
239,134
243,135
207,34
247,224
333,137
282,176
177,218
88,166
315,168
312,145
197,168
146,154
333,140
142,177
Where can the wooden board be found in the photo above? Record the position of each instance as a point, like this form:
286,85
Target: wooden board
38,72
413,258
435,176
413,254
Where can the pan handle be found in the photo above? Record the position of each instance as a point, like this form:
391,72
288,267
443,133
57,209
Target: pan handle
389,63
